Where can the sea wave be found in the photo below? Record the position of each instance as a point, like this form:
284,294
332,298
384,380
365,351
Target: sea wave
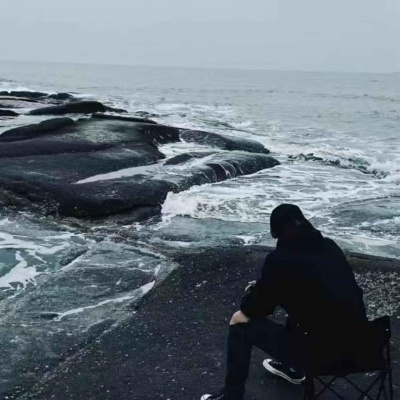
10,85
377,168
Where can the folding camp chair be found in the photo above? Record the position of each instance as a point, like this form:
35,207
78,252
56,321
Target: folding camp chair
373,358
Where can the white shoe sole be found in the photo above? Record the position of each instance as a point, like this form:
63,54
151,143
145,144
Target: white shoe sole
274,371
205,397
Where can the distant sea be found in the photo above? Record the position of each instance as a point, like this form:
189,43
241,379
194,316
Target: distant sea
337,136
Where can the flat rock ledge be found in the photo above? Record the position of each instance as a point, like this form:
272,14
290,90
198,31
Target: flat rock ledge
173,345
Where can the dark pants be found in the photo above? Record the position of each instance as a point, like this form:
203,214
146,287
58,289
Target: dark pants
264,334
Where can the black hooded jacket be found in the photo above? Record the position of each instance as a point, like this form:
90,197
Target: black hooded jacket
310,278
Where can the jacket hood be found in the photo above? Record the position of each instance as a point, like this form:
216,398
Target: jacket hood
304,239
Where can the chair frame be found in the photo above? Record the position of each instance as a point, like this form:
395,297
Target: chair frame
384,376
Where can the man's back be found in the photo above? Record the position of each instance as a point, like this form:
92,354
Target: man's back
311,279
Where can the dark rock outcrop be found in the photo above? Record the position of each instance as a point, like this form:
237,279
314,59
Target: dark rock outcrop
223,141
116,110
48,183
60,96
73,168
121,118
8,113
86,160
102,129
182,158
81,107
19,102
25,94
45,147
55,125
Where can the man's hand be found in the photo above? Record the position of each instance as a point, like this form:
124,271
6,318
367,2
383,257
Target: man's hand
239,318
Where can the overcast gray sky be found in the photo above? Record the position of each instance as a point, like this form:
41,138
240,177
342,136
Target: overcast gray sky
344,35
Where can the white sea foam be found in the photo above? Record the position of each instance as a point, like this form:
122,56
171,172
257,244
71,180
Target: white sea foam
122,173
12,86
179,243
248,240
139,292
318,190
36,248
32,247
20,275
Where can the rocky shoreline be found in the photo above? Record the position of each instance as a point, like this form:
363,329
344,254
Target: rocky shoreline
59,166
118,316
172,345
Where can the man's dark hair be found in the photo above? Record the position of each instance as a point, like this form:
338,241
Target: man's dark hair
288,216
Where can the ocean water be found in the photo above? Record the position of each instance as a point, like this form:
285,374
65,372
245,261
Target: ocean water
348,187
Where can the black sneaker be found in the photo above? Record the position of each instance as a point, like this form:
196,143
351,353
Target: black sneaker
280,369
219,396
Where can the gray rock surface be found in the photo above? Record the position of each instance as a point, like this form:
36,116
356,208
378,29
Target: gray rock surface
8,113
25,94
182,158
50,126
70,307
122,118
42,164
221,141
81,107
173,346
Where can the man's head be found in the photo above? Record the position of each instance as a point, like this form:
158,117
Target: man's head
286,220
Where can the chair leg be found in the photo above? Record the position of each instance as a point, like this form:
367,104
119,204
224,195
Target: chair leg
391,392
382,386
309,388
390,374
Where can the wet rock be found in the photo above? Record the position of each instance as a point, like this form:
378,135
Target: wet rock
146,114
109,197
182,158
43,147
60,96
73,168
84,149
18,103
180,350
105,197
63,135
124,130
49,181
46,316
8,113
69,309
116,110
25,94
305,157
224,142
81,107
121,118
80,164
55,125
91,285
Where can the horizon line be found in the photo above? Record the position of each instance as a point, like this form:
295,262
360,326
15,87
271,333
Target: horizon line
199,67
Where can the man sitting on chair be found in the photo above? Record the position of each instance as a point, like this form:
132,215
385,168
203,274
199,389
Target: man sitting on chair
309,277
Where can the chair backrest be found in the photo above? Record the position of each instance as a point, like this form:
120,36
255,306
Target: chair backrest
380,330
360,350
369,350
